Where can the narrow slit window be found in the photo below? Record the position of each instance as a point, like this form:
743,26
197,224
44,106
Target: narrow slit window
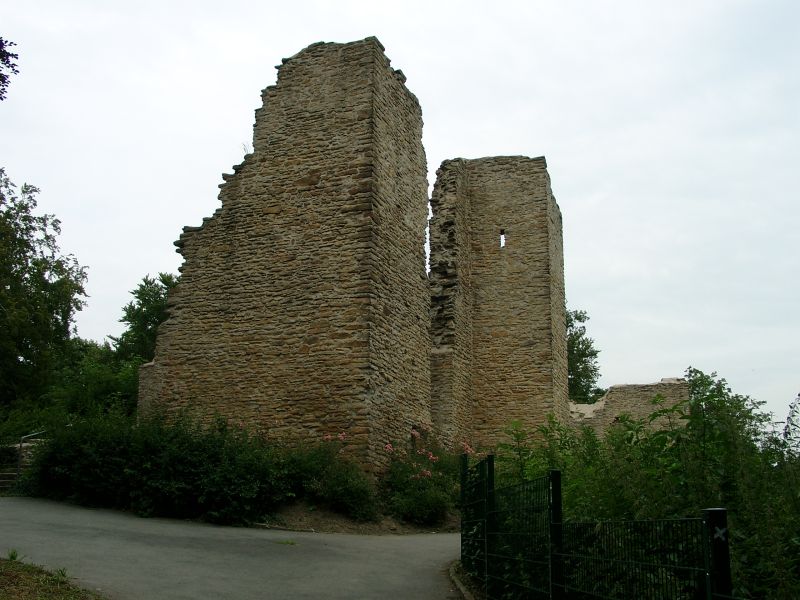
502,238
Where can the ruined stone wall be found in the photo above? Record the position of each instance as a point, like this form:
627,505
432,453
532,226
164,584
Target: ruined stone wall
399,305
451,305
512,297
558,312
302,306
634,400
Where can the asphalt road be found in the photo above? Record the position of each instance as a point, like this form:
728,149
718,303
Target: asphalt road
130,558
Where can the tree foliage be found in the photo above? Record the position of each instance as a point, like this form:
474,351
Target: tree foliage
8,66
143,315
583,368
791,431
717,449
93,379
40,292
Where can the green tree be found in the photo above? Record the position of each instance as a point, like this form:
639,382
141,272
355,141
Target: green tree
40,291
143,316
93,379
583,369
716,449
791,432
8,65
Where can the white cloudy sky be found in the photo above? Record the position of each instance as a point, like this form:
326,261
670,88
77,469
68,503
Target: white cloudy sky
671,131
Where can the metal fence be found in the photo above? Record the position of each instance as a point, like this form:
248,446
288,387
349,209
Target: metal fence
517,540
474,494
515,545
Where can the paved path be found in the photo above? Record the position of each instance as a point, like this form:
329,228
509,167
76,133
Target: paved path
129,558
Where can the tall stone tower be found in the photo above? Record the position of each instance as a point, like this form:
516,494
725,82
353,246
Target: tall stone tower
497,284
303,305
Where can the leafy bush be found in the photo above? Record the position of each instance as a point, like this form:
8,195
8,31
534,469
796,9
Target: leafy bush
420,485
181,470
84,463
717,449
8,455
321,473
158,469
22,419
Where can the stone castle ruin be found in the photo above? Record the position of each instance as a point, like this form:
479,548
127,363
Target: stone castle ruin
638,401
304,306
498,332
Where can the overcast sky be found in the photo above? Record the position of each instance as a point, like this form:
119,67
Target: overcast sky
671,131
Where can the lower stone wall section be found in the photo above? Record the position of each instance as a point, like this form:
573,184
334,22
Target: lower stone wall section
634,400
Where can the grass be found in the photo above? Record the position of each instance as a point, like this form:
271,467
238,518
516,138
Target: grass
20,581
285,542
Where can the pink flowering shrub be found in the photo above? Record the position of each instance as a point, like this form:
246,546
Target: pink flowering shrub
421,484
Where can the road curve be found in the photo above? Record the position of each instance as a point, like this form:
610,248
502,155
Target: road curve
130,558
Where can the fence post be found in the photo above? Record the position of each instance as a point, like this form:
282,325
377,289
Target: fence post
557,587
719,557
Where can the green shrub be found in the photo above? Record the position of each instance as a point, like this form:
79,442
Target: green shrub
421,503
182,470
347,489
321,473
716,450
83,463
156,469
8,455
22,419
420,485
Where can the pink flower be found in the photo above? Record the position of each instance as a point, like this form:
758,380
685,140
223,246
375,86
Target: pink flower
432,457
425,473
467,448
415,434
342,436
389,448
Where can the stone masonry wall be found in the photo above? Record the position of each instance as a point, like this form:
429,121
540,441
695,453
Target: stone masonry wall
302,307
634,400
451,305
512,298
399,394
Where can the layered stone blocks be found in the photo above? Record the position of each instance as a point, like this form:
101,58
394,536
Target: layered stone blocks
637,401
497,285
302,307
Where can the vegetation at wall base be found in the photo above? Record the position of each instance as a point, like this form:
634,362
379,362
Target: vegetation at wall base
421,483
320,473
717,450
227,475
